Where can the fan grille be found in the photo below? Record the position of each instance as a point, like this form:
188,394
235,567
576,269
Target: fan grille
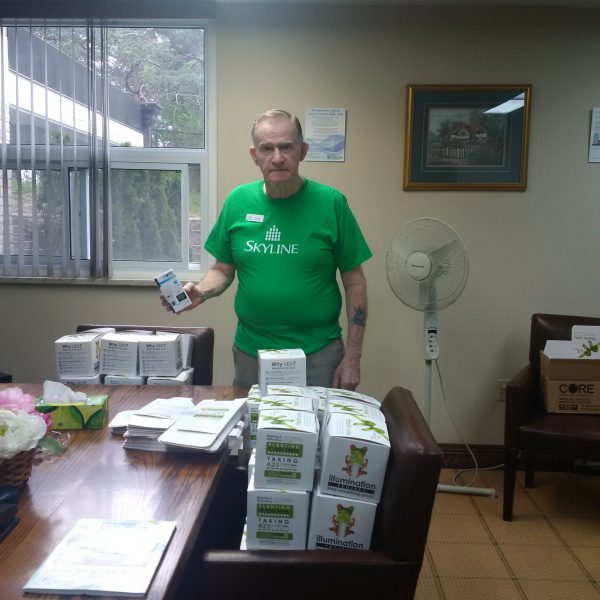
449,264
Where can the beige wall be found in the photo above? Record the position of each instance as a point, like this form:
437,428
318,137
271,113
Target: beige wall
529,252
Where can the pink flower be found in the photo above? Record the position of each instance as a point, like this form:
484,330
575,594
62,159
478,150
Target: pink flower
15,399
48,419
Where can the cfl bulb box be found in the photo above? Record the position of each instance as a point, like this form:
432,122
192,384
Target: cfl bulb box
569,384
276,519
78,354
159,355
354,456
269,402
586,340
171,288
119,353
75,380
281,367
186,377
187,347
340,523
339,394
124,380
286,446
253,410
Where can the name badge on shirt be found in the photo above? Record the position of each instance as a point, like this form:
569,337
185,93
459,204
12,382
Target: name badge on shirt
255,218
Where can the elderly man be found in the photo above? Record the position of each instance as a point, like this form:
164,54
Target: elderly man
286,237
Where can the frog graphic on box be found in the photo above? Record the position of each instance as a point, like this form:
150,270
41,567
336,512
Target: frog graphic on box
355,462
343,521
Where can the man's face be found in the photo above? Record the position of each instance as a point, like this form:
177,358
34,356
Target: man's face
277,152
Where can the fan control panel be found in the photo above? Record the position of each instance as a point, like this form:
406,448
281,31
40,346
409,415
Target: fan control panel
432,349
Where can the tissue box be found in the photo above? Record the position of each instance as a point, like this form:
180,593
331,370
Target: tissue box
569,384
91,415
281,367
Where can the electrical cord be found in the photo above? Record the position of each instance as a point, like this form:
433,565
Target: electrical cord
476,468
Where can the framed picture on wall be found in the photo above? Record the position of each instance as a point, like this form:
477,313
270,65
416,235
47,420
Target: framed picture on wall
467,137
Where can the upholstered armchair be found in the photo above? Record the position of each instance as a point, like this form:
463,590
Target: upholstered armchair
529,430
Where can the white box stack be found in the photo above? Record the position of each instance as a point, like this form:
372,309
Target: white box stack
78,355
281,367
119,353
159,355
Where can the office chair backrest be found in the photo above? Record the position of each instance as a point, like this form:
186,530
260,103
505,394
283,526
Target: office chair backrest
413,470
202,356
552,327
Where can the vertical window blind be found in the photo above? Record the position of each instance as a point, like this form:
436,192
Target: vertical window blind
55,192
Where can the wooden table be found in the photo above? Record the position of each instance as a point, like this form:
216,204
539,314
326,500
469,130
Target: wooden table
96,477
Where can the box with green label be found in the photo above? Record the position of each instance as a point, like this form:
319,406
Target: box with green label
286,447
276,519
92,414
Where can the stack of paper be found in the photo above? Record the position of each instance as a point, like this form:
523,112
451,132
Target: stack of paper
104,558
208,429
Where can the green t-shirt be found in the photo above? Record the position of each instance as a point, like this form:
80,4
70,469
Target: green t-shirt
286,252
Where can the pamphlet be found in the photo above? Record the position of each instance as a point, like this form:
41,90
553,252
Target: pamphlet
105,558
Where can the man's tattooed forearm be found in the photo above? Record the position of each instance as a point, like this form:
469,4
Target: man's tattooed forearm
360,316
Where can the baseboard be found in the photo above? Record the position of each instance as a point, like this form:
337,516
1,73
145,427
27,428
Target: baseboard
456,456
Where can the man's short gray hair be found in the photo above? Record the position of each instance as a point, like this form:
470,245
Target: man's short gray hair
276,114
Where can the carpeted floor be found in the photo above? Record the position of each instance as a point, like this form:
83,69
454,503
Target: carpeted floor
550,551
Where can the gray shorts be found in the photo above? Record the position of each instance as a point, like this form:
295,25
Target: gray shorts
320,365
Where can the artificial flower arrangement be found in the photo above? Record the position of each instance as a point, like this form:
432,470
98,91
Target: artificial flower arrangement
22,427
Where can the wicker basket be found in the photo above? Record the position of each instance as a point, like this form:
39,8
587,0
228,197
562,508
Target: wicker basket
16,471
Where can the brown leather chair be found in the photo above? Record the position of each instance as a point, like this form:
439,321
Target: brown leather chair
530,430
202,355
389,569
5,378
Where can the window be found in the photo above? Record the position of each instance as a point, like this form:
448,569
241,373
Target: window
105,148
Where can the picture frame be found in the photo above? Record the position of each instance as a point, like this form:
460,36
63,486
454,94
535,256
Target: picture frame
467,137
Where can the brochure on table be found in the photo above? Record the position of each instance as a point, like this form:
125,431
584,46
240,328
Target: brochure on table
104,558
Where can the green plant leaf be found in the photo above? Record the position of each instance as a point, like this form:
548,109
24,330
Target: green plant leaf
51,444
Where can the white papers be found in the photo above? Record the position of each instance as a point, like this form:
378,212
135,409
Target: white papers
208,428
104,558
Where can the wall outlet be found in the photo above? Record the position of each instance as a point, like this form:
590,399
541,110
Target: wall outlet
501,389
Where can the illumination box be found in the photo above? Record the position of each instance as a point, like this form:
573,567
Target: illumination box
281,367
276,519
340,523
90,415
354,457
569,384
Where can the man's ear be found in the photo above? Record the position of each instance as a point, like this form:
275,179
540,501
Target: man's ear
303,151
253,154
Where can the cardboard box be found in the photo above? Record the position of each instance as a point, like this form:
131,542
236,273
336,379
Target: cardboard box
281,367
272,402
119,353
91,415
354,457
569,385
187,347
286,446
78,354
340,523
586,339
276,519
184,378
75,380
124,380
253,410
160,355
350,395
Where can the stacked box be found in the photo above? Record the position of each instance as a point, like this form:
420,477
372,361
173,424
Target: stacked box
281,367
124,380
276,519
288,403
159,355
354,456
340,523
286,445
78,355
185,377
119,353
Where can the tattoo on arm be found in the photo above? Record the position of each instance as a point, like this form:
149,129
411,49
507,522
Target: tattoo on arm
217,291
360,316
